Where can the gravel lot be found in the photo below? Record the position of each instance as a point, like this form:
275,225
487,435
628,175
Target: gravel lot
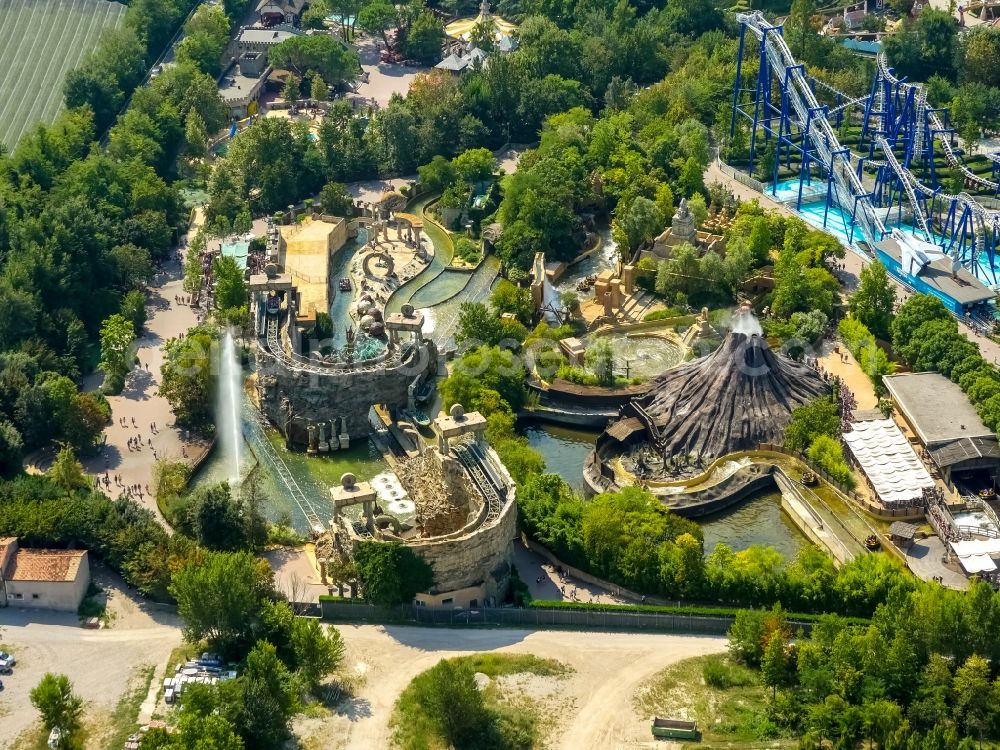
98,662
590,708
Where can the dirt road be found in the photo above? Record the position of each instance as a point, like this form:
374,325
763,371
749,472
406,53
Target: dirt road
591,708
98,662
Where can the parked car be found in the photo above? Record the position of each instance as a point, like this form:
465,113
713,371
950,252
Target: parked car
4,656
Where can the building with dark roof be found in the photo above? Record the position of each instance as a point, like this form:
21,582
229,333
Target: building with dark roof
42,578
947,425
271,12
928,270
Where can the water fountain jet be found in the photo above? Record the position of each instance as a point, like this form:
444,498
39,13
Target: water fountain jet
227,407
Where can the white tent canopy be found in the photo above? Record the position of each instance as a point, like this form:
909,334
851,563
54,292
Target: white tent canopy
884,454
977,564
971,547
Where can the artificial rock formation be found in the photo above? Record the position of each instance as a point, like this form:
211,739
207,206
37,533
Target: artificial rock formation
739,396
441,491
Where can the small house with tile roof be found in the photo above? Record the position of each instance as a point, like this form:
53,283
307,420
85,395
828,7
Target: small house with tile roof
42,578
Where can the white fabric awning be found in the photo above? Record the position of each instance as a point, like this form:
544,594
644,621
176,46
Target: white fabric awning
977,564
888,460
971,547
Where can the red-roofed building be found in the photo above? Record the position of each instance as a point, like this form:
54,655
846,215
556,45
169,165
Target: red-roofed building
42,578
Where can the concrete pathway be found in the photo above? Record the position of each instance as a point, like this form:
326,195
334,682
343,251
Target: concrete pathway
924,559
139,404
383,79
545,583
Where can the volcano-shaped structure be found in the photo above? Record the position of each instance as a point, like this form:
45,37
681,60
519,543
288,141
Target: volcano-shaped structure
740,395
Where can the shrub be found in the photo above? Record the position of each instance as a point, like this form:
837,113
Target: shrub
720,674
828,455
467,250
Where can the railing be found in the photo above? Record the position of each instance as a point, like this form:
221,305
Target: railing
846,184
256,424
472,460
388,358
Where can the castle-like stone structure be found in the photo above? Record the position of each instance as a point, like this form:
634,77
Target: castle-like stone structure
466,515
297,392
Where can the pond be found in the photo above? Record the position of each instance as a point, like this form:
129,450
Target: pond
757,520
643,355
315,475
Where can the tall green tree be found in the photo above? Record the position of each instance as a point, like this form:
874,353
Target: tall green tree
58,705
874,300
426,38
263,713
220,597
195,135
641,222
230,286
11,446
336,200
377,18
774,663
187,378
391,573
318,649
134,308
600,359
320,53
67,473
455,704
117,334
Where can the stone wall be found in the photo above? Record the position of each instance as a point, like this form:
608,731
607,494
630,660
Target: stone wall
482,554
323,396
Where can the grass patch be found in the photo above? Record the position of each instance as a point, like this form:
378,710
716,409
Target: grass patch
95,604
726,699
494,665
124,718
509,719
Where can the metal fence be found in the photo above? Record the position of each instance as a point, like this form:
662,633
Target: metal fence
346,610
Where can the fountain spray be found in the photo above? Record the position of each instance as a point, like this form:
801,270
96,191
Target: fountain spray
227,407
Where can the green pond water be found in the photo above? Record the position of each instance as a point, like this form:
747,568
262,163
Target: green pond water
757,520
644,356
314,474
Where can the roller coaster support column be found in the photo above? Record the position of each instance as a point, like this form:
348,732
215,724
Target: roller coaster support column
762,97
931,134
804,173
854,213
785,124
846,153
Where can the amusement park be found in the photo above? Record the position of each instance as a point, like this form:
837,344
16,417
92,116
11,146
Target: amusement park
882,171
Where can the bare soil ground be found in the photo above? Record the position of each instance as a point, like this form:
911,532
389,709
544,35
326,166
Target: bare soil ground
102,664
590,707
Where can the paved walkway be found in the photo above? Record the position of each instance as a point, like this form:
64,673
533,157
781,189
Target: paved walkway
384,79
924,560
545,583
836,360
141,402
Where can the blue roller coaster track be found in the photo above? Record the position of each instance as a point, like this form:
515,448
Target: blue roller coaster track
891,179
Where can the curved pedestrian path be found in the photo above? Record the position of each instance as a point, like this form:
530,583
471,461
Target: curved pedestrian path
139,405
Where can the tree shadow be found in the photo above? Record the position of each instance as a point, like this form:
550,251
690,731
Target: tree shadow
455,639
137,384
354,708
